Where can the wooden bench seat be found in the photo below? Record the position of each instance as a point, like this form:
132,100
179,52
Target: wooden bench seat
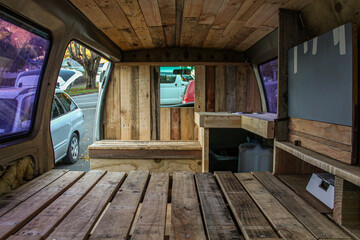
109,205
164,156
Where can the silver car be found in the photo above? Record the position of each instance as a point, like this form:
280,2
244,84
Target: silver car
67,127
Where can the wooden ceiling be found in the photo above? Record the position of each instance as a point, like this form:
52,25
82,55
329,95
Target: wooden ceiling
218,24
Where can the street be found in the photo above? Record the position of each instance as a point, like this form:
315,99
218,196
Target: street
87,103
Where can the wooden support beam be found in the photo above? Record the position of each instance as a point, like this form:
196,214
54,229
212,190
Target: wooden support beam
291,33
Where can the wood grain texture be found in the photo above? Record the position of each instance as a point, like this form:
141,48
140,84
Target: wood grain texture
165,122
287,226
187,123
41,226
78,224
144,103
153,165
220,104
19,195
314,221
18,216
210,88
151,223
185,213
200,74
175,124
124,204
251,221
218,222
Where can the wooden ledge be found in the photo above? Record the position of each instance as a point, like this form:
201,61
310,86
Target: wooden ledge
145,149
347,172
262,124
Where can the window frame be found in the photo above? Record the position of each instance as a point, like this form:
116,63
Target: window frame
19,21
263,85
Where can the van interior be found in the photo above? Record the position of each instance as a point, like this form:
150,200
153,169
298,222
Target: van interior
228,119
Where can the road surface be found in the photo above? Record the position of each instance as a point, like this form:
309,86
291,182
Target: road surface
87,103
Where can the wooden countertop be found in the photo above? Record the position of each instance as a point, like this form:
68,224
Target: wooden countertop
262,124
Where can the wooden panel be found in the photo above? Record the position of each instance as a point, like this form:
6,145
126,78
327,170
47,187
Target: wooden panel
19,195
345,171
218,222
116,103
252,222
125,88
185,213
314,221
346,204
298,184
165,123
151,224
18,216
78,224
153,165
144,103
187,123
168,18
210,88
110,126
242,80
253,101
155,102
124,204
220,103
283,221
42,225
204,139
230,90
175,124
199,105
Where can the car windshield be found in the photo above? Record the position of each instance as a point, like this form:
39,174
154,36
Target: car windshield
7,115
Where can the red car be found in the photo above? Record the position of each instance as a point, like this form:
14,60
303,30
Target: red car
189,93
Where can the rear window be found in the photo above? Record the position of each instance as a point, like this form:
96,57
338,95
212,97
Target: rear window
23,50
269,77
167,78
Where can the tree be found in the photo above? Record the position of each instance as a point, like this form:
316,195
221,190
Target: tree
88,59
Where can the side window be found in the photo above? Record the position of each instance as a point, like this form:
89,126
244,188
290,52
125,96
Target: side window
54,111
68,104
269,77
167,78
58,104
23,50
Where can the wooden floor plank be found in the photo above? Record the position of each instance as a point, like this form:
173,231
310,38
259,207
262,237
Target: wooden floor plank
218,221
42,225
315,222
20,215
78,224
248,216
284,222
124,204
17,196
186,222
151,222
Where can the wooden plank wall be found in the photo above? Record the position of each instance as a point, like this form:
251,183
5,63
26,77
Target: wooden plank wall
177,124
232,89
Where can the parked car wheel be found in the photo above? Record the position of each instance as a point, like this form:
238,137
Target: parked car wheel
73,150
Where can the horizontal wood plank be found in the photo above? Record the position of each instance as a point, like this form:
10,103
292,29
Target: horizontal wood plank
252,222
124,204
185,216
287,226
78,224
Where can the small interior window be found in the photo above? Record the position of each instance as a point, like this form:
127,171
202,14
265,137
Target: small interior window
269,77
23,50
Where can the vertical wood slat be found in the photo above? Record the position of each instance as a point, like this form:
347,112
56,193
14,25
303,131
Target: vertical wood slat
187,123
285,223
175,124
155,102
185,213
124,204
151,223
109,125
252,222
42,225
210,88
199,105
18,216
116,102
144,103
134,101
242,79
78,224
253,100
165,122
218,222
220,98
230,91
125,102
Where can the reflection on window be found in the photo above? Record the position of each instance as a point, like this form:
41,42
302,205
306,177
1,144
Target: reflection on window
177,86
66,101
22,56
269,77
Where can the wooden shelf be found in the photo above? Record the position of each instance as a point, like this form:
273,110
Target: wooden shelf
347,172
262,124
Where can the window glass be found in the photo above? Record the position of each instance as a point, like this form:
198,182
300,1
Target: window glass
58,104
177,86
22,56
66,102
269,77
54,111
